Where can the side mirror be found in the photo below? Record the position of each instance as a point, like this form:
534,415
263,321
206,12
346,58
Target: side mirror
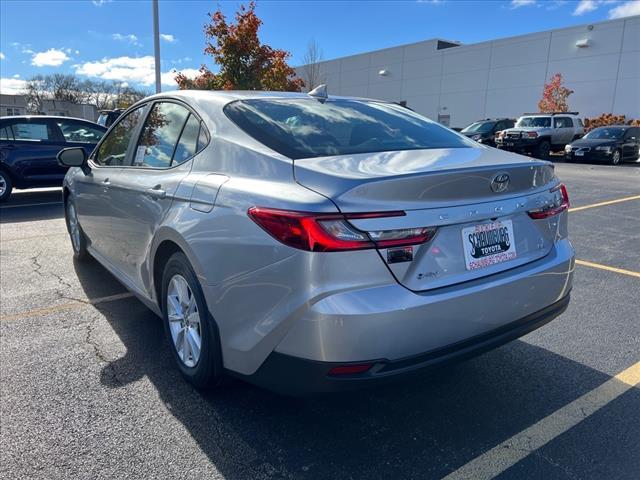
72,157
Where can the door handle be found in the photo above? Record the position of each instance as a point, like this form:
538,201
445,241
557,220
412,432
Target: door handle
106,182
156,192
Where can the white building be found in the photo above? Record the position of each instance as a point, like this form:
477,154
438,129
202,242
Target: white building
459,84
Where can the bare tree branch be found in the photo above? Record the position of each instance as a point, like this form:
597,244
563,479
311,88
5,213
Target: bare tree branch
312,58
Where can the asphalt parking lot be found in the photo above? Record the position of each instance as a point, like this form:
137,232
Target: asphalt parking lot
88,388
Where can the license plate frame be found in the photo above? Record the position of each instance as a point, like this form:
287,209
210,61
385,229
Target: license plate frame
488,243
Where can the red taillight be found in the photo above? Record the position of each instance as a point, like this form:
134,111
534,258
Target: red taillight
560,204
350,369
321,232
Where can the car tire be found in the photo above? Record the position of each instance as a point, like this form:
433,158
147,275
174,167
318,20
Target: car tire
77,236
616,157
6,185
191,331
543,150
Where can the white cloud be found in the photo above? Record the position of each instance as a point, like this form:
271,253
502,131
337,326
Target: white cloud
167,37
138,70
12,86
17,75
99,3
626,9
50,58
522,3
585,6
2,57
130,37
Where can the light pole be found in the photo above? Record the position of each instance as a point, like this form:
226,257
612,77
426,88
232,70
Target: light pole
156,43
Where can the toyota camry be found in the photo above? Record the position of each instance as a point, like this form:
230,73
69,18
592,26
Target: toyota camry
310,243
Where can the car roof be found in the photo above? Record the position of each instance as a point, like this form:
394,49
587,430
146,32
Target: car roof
45,117
231,95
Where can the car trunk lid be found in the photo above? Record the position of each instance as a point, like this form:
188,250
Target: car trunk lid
459,191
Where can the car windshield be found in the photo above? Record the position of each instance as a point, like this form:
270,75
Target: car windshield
534,122
605,133
306,128
479,127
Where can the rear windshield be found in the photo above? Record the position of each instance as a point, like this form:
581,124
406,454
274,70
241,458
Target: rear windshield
305,128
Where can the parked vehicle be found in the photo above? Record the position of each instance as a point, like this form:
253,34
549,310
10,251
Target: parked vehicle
539,134
29,145
484,131
612,144
108,117
310,243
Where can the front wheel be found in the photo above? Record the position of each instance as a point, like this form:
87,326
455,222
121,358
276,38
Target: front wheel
616,157
192,333
5,186
78,239
543,151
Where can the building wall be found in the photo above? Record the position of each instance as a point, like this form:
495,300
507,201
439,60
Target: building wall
501,78
17,105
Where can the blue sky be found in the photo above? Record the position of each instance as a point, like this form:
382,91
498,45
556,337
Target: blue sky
104,39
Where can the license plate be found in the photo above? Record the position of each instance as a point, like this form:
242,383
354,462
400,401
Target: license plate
579,154
487,244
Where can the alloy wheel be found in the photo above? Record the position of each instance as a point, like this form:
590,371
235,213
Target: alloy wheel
3,185
184,321
615,159
74,228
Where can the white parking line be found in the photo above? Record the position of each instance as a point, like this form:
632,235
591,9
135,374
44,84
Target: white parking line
30,205
495,461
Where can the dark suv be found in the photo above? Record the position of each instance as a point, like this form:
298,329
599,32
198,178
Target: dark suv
29,145
484,131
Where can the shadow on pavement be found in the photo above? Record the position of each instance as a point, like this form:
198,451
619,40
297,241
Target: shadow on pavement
28,206
422,429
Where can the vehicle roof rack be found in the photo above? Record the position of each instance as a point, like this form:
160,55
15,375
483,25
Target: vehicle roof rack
552,113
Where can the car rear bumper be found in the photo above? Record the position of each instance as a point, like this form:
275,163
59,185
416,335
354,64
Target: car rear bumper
292,375
387,325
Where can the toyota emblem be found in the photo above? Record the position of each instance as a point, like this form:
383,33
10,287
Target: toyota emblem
500,182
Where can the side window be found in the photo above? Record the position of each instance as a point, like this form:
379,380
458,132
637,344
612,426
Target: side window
5,133
203,139
188,143
563,122
113,150
32,131
79,132
160,134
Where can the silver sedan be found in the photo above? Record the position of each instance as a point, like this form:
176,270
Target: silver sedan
312,243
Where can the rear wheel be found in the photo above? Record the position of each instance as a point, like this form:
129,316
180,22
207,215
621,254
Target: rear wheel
191,330
544,149
5,186
616,157
78,239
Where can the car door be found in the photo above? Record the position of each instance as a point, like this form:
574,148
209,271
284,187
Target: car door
30,152
94,197
144,190
631,144
563,131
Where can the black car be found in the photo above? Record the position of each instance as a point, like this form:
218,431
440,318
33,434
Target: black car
107,117
612,144
29,145
484,131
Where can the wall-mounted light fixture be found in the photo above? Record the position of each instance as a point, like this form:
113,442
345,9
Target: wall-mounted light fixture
383,72
584,43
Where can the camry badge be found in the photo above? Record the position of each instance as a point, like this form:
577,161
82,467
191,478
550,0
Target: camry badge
500,182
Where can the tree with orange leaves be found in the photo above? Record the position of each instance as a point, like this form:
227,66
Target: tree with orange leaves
554,96
245,63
